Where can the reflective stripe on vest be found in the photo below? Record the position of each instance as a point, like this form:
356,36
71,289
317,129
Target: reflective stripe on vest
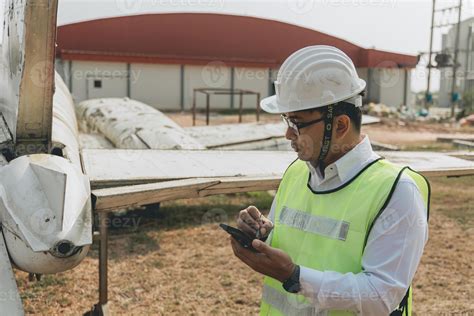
327,231
323,226
289,305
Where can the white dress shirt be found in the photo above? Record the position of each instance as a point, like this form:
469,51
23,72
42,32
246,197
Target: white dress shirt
393,251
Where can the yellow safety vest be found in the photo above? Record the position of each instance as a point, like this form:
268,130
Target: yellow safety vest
328,230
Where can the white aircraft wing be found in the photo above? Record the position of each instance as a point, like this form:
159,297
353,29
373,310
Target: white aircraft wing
127,178
10,302
228,136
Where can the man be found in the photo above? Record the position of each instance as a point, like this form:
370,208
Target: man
347,228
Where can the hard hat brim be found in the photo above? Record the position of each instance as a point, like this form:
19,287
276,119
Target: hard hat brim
272,106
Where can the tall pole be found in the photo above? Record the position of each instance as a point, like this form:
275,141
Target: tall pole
455,64
468,59
431,53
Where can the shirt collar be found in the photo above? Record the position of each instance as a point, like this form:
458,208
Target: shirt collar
346,167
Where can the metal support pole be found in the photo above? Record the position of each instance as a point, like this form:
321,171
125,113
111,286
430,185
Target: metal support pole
405,88
181,90
101,308
431,52
369,85
129,80
241,97
70,76
455,63
258,107
232,86
468,60
207,107
194,107
103,258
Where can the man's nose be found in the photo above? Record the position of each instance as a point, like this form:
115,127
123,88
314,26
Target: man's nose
290,134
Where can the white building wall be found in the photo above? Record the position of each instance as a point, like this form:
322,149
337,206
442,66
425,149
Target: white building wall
465,58
253,79
113,78
363,73
392,86
411,97
156,85
160,85
213,75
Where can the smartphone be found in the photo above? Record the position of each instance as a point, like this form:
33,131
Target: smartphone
244,240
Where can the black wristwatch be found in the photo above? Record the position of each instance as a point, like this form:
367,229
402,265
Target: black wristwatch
292,284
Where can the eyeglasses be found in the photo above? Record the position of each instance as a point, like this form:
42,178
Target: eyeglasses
297,126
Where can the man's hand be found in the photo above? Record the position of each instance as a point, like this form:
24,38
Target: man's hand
271,262
251,220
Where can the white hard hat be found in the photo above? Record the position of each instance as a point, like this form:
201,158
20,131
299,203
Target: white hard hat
313,77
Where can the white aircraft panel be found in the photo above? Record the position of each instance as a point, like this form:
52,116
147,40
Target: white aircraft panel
10,301
122,167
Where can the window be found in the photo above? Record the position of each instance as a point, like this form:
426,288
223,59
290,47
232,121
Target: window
98,84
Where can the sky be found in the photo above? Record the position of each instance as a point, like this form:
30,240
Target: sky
401,26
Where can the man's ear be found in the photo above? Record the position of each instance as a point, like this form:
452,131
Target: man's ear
342,125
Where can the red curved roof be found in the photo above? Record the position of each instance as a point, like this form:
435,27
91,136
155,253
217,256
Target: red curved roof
200,38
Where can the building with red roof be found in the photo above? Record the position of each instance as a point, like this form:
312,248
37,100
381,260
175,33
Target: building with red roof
160,58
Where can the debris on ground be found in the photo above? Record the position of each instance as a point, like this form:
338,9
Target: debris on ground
467,121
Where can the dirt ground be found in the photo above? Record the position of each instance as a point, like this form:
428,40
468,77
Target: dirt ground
176,261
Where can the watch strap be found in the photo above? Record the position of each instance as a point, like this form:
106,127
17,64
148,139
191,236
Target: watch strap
292,284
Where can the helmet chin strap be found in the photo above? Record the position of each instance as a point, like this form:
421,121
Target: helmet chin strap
328,125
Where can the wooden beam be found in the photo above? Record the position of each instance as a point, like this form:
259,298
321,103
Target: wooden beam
464,144
138,195
449,139
448,172
146,194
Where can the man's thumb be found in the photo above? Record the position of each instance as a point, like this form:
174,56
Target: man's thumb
262,247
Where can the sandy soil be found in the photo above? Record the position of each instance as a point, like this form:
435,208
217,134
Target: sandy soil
177,262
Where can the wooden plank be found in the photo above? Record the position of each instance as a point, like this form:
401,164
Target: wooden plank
466,155
428,161
464,144
450,138
264,186
35,72
385,147
133,196
145,194
451,172
273,144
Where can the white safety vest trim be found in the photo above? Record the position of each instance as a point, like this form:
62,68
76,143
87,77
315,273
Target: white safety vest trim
320,225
